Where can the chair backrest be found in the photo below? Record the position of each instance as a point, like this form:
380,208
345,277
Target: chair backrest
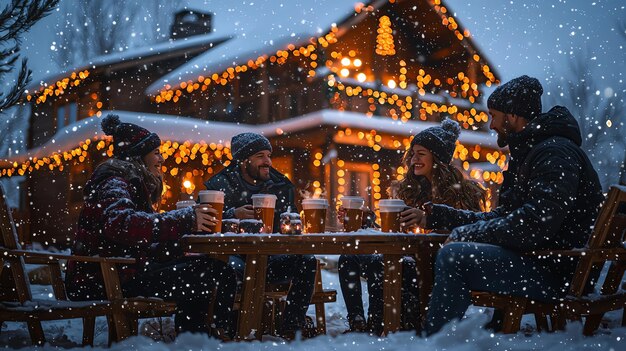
607,236
610,226
7,226
14,283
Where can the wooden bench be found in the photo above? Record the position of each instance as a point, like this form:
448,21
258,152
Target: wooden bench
17,303
606,244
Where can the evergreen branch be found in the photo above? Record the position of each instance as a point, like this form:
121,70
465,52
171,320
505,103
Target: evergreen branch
16,91
24,15
15,20
6,67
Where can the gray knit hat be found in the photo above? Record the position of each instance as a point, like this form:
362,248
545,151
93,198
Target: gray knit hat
245,145
440,140
520,96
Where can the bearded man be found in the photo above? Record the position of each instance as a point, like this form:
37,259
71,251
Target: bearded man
250,173
549,200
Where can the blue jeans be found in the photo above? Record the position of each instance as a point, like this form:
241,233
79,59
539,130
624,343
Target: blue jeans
463,267
297,269
371,267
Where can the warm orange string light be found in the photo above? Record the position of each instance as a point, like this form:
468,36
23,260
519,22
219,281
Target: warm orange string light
59,87
458,86
384,38
181,153
449,21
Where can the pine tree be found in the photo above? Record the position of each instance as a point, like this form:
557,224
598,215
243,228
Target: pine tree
16,19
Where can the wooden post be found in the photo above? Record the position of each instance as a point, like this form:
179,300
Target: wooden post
320,310
114,294
424,261
89,323
392,292
252,296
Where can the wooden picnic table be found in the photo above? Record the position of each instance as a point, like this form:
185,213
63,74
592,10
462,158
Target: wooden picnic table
257,248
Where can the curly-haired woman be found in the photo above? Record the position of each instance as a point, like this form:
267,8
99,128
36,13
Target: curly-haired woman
430,177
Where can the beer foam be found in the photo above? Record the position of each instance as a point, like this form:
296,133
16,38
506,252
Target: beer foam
211,196
352,202
264,200
184,203
314,204
391,205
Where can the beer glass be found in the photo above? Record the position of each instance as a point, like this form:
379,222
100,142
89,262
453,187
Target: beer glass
353,219
214,198
263,205
314,215
390,210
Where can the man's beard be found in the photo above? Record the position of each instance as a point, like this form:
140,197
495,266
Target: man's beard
254,173
503,139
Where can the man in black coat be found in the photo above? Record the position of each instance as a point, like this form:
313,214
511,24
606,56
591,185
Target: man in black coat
250,173
549,199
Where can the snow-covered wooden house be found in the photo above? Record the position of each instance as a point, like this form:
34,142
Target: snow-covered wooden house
338,86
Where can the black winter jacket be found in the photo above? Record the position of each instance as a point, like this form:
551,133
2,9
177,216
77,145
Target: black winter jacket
238,192
550,196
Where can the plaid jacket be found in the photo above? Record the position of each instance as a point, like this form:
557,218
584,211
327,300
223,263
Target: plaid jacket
117,220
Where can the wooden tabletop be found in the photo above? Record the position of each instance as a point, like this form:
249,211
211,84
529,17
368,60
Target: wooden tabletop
327,243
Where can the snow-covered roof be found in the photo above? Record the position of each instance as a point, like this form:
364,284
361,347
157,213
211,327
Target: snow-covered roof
356,120
168,127
162,48
181,129
260,27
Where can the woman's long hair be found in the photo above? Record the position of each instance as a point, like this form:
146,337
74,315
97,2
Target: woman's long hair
449,187
153,183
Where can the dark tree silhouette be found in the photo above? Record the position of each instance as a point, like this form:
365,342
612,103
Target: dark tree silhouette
16,19
600,114
101,27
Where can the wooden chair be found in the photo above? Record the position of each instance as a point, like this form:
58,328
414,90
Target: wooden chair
605,244
17,303
320,297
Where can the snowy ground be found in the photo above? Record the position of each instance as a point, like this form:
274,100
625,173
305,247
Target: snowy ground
464,335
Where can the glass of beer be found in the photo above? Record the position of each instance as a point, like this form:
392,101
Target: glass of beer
184,203
214,198
314,215
353,219
390,210
263,205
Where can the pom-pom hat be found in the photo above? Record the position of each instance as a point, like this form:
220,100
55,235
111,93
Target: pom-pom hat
129,139
440,140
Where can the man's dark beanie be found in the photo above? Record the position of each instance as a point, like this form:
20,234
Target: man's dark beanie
520,96
129,139
440,140
245,145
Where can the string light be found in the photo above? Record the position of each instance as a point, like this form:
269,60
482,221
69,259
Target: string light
450,22
465,88
59,87
384,39
180,153
401,108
